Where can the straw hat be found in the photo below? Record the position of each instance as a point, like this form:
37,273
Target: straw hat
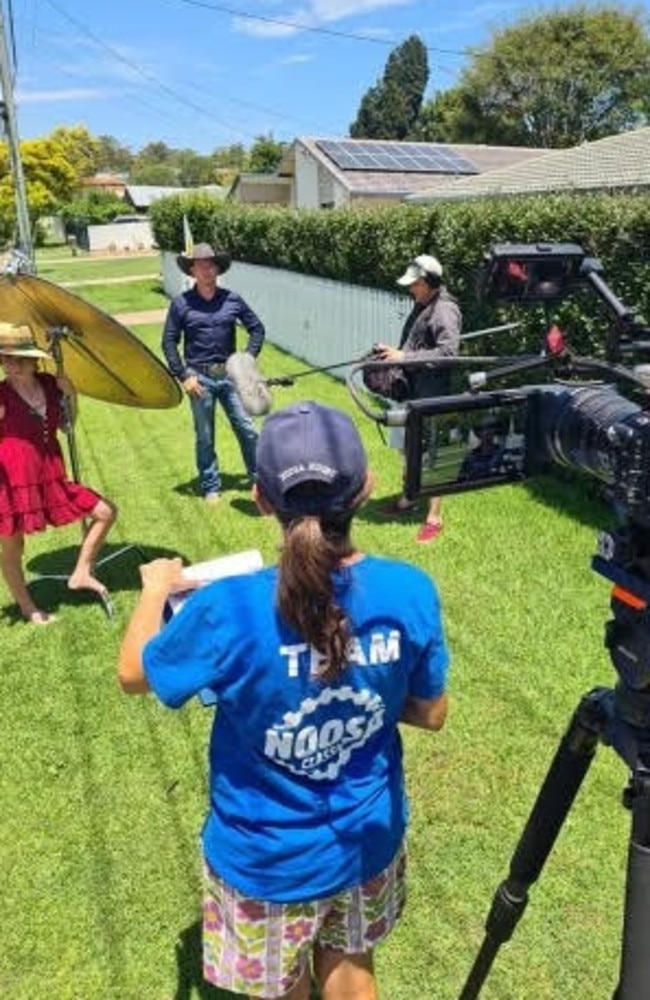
17,340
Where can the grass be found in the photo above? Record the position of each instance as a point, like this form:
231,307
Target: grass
130,297
89,268
103,796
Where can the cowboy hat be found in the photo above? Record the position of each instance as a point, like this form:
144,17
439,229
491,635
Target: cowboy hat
203,251
17,340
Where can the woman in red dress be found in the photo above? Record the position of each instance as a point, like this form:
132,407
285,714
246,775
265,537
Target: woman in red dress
34,489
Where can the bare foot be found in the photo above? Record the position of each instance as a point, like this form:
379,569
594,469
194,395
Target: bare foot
86,581
39,617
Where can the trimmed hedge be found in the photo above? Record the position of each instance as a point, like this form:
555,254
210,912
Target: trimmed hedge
370,246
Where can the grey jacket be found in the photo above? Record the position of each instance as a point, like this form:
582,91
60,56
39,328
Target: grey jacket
436,328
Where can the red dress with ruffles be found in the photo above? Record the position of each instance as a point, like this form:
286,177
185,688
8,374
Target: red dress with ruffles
34,489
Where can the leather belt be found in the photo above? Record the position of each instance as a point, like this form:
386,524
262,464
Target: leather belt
216,370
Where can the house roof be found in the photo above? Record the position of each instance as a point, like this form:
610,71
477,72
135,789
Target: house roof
400,183
104,181
616,162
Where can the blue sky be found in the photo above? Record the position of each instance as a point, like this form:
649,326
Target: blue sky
200,74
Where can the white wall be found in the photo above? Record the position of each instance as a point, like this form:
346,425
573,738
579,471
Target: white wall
118,236
305,180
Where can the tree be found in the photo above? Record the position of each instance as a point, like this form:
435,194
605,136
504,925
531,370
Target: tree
113,156
265,155
49,177
553,80
451,116
80,148
194,169
157,174
92,209
390,109
156,152
230,157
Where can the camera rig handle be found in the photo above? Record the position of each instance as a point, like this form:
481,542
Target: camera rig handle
563,363
425,359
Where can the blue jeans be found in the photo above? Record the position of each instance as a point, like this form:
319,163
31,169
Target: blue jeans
203,413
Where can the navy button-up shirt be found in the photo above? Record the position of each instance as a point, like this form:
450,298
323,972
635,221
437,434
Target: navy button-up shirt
207,328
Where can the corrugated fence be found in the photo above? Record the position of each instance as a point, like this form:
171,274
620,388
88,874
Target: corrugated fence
322,322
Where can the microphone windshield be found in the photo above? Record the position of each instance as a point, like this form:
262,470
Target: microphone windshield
253,390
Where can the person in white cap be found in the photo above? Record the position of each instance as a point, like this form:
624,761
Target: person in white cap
433,325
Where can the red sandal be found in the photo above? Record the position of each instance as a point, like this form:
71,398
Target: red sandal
429,531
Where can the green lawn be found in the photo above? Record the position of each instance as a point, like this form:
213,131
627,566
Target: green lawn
103,796
89,268
129,297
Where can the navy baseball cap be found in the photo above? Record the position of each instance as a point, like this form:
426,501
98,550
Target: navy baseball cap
309,443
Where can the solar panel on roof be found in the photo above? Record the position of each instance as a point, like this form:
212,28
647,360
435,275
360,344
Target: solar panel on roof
413,157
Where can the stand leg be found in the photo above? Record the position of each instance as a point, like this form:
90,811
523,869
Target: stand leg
103,596
635,952
561,785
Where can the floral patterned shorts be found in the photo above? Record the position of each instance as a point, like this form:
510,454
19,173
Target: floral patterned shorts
262,949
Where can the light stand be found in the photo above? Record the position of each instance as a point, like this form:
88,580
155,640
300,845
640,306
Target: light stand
56,334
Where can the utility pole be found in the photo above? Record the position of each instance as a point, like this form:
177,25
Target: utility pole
8,113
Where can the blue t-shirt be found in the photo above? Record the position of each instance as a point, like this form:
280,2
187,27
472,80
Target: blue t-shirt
306,782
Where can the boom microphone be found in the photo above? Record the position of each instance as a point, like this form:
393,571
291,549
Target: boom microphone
252,388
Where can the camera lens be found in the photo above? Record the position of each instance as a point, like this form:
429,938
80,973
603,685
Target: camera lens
578,426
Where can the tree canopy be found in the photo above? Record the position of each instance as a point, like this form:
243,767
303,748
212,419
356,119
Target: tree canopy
552,80
265,155
390,109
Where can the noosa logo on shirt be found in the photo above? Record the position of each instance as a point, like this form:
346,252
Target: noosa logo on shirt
316,747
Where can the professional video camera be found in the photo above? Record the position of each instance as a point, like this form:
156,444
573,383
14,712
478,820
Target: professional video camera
574,416
592,415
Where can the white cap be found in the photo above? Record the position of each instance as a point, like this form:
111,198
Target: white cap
421,267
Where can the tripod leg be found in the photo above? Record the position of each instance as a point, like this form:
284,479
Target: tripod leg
561,785
635,953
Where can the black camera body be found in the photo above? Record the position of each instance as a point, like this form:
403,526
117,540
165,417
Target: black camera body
590,428
529,273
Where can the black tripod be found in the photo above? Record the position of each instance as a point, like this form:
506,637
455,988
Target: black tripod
619,718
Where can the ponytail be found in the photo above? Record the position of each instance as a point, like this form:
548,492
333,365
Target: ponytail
313,549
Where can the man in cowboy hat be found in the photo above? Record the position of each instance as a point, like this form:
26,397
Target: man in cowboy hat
205,318
434,326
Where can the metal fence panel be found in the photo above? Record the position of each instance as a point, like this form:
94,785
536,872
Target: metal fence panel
322,322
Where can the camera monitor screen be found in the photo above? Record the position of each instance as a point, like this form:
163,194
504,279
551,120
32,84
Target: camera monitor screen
455,444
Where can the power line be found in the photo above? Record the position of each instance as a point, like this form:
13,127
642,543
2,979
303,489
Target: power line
187,102
316,29
151,78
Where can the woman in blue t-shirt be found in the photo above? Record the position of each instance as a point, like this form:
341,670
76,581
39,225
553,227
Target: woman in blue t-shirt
313,663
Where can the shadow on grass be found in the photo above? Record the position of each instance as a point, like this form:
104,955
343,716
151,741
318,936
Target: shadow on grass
229,481
117,568
377,511
189,961
245,506
580,498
